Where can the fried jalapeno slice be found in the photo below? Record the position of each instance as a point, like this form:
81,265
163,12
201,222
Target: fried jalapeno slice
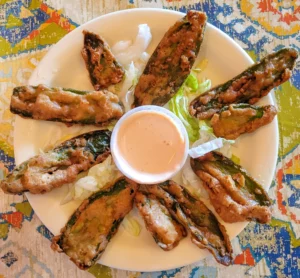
166,231
95,222
234,194
103,68
236,119
249,86
171,61
66,105
206,231
59,166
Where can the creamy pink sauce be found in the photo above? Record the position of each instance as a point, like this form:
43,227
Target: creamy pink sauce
151,143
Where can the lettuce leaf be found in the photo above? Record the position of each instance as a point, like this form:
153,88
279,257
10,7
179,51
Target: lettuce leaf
179,104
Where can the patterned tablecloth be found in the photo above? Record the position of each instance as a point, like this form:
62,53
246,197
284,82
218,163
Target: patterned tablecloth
29,27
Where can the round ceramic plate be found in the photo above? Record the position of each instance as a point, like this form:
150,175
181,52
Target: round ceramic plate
63,66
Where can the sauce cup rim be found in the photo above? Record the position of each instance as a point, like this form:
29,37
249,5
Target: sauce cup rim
120,161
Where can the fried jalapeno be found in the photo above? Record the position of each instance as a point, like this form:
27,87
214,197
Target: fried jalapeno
59,166
95,222
236,119
171,61
206,231
166,231
66,105
103,68
249,86
234,194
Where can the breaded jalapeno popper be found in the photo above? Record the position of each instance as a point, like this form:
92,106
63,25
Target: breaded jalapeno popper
66,105
206,231
103,68
59,166
249,86
236,119
95,222
166,231
171,61
234,194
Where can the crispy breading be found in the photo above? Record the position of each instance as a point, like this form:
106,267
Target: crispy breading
95,222
166,231
247,87
206,231
233,193
66,105
172,61
59,166
103,68
236,119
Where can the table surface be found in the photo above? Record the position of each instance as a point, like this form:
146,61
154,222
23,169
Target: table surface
27,30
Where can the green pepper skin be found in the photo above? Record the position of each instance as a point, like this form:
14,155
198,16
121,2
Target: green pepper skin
103,68
236,119
206,231
66,105
59,166
167,232
247,87
172,61
95,222
235,195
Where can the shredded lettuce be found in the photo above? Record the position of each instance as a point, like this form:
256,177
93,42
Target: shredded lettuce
96,178
201,66
192,82
192,182
131,225
179,104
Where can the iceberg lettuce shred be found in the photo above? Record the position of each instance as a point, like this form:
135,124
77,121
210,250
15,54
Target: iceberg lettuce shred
131,225
96,178
179,104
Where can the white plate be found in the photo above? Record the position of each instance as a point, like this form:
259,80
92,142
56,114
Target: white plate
63,66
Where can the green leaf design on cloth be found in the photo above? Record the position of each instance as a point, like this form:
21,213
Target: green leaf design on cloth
13,21
100,271
35,4
3,230
288,100
24,208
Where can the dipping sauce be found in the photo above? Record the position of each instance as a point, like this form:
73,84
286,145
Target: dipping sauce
149,145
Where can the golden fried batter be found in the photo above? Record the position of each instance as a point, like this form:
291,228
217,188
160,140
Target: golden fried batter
233,193
166,231
172,61
103,68
236,119
65,105
247,87
59,166
94,223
